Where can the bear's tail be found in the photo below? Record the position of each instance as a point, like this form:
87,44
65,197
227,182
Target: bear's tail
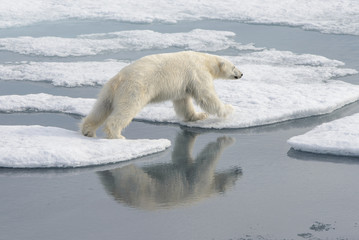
100,111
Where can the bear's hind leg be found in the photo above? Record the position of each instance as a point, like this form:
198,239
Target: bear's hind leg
184,108
96,117
113,127
120,118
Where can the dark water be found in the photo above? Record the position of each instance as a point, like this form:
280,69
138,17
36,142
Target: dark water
237,184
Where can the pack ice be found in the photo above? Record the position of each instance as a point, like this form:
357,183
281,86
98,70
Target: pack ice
45,147
277,86
339,137
133,40
329,16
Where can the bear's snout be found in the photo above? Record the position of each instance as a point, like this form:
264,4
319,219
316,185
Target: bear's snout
238,77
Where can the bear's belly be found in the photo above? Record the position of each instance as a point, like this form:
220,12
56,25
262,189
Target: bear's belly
167,95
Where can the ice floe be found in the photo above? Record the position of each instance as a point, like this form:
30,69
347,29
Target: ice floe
288,87
329,16
267,66
277,86
44,147
67,74
339,137
43,102
92,44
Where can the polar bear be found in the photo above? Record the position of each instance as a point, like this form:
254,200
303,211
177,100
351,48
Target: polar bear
178,77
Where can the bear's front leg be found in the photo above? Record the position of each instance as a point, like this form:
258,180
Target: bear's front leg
228,110
209,102
184,108
198,116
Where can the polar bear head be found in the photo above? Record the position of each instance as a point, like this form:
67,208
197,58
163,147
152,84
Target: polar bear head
227,70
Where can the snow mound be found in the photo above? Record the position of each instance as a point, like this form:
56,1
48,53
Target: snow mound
339,137
46,147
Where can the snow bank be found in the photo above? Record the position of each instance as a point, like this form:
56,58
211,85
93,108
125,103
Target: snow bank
44,147
329,16
339,137
92,44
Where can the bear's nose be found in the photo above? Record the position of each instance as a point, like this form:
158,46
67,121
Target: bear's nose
238,76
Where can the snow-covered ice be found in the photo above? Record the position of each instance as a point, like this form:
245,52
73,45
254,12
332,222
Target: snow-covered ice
92,44
43,102
272,64
67,74
266,66
44,147
277,86
339,137
329,16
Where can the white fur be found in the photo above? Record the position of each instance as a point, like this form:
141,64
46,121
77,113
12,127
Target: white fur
172,76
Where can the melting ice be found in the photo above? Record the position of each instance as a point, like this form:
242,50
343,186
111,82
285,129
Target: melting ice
329,16
68,74
39,147
339,137
92,44
277,86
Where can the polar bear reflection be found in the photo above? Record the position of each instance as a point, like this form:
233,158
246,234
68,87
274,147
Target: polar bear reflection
184,181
